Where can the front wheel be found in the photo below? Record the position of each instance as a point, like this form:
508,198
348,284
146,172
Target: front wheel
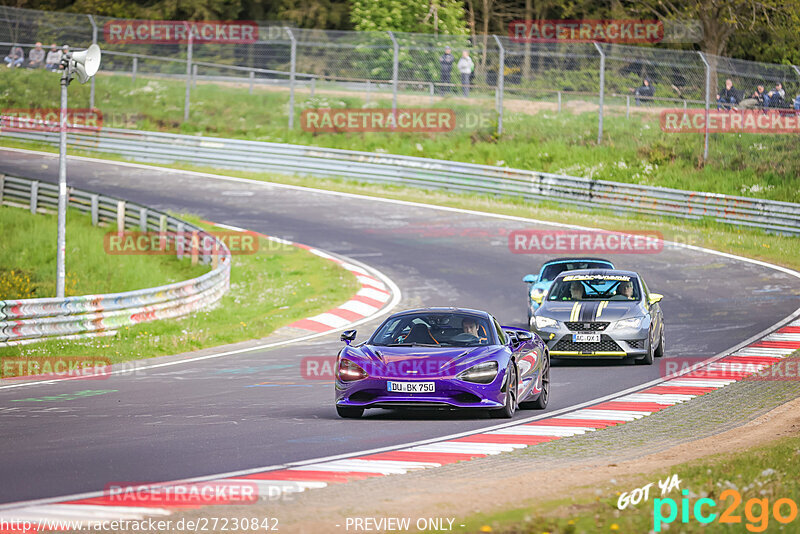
349,412
541,401
510,406
648,358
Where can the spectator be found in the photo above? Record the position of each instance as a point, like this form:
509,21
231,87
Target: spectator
729,96
36,57
756,100
465,67
644,92
53,60
15,58
774,98
446,66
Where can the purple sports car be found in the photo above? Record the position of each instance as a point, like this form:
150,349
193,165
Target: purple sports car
443,358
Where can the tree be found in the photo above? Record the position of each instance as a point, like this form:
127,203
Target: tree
420,16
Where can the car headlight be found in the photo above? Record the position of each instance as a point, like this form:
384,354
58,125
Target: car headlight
483,373
544,322
350,371
633,322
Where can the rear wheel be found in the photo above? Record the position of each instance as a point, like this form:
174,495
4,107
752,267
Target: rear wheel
660,350
541,402
507,411
349,412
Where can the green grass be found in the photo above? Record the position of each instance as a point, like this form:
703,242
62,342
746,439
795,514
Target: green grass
272,288
634,150
768,472
28,259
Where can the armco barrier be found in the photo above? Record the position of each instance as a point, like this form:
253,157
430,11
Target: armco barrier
781,217
26,321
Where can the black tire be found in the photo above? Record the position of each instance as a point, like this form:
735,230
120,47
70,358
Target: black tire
510,406
660,350
541,401
648,358
349,412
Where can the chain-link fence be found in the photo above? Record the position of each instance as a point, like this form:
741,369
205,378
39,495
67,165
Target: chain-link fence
503,86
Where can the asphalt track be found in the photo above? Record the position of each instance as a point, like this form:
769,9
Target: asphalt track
256,409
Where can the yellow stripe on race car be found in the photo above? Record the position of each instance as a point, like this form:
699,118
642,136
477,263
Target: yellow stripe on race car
578,353
576,310
600,309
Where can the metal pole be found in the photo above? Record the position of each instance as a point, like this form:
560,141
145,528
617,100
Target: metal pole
194,76
501,72
559,101
135,68
395,69
627,106
186,102
292,73
94,41
796,69
602,93
252,79
708,99
61,246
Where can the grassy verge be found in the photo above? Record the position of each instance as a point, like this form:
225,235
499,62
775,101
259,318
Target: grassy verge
634,149
765,473
781,250
269,289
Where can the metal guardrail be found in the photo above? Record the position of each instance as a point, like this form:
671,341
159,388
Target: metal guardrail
774,216
30,320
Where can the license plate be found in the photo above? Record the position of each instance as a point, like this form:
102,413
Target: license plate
411,387
586,338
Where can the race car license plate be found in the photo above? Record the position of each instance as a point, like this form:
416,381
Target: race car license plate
586,338
411,387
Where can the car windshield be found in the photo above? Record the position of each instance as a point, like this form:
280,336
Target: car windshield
595,287
434,330
554,269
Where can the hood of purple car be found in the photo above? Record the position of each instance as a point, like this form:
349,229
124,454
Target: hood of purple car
418,362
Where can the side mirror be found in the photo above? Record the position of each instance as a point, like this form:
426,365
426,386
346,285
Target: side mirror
348,336
524,336
530,278
655,297
538,298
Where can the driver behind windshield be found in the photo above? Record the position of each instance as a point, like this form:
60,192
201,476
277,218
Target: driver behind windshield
576,291
470,326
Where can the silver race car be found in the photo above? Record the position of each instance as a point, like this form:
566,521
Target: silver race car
601,313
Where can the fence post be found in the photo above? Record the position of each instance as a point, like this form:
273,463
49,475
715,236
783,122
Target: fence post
179,240
602,93
252,80
559,101
135,67
627,106
708,99
94,41
143,220
2,186
120,216
34,196
431,91
194,76
95,210
501,74
292,72
395,69
188,75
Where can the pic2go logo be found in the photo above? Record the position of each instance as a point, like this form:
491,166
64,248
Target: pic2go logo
756,511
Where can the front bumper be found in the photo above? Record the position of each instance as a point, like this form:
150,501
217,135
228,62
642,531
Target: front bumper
614,343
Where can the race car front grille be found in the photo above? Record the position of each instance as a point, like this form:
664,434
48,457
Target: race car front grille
565,344
587,327
635,343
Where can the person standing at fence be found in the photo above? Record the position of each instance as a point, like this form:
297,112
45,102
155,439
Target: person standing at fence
446,67
15,58
644,92
465,67
53,58
728,97
36,57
